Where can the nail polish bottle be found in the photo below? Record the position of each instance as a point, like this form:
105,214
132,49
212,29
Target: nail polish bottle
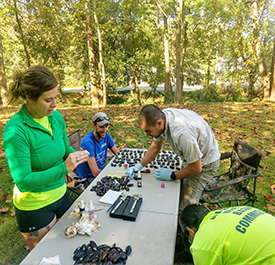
81,208
92,210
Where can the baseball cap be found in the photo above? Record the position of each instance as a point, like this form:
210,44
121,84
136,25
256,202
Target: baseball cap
101,119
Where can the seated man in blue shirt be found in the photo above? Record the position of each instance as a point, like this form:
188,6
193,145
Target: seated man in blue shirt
97,143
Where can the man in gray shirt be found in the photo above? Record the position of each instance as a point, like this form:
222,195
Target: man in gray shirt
190,137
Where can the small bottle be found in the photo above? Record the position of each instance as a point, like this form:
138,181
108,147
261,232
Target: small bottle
136,170
81,208
139,180
91,210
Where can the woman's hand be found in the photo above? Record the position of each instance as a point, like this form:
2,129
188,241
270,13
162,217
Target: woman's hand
76,158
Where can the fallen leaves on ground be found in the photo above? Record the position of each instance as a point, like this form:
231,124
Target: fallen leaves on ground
260,178
4,210
270,207
12,211
270,199
7,197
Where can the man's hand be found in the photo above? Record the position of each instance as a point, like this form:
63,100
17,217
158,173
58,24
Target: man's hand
131,170
163,174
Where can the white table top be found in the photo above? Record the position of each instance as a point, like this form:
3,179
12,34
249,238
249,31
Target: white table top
152,236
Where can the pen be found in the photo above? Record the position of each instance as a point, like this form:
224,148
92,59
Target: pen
110,207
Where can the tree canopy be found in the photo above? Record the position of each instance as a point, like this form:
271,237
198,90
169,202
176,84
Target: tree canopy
116,43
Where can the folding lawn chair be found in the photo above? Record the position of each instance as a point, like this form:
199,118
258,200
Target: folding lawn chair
232,185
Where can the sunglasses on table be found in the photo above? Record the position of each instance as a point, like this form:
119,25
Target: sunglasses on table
101,119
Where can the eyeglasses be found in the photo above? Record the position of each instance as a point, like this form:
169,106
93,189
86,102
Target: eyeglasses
101,119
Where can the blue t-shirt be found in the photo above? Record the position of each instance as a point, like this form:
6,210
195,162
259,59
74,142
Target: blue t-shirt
97,149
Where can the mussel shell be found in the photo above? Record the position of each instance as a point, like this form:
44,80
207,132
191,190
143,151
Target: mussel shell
121,262
77,249
90,252
94,259
103,255
78,255
79,261
113,255
119,249
128,250
123,256
103,247
87,259
82,247
106,262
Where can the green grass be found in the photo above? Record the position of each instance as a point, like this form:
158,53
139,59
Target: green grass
252,122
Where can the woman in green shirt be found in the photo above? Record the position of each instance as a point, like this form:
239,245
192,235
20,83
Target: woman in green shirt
38,154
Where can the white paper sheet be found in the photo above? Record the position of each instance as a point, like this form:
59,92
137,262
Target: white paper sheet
110,197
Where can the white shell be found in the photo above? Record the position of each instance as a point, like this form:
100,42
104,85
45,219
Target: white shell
71,231
85,225
76,211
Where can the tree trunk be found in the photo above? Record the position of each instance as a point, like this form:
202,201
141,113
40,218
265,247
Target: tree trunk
171,90
208,75
101,68
185,42
259,51
3,81
60,74
92,60
59,70
272,76
22,35
167,66
178,55
251,82
135,78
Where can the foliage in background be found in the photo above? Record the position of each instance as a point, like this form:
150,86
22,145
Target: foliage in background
217,40
211,94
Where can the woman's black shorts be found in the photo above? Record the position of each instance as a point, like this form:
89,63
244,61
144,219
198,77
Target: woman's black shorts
29,221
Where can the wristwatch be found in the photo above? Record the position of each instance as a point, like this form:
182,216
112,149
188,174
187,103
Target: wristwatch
173,176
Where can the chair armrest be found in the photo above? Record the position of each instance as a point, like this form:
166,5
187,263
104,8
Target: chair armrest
233,181
225,155
76,178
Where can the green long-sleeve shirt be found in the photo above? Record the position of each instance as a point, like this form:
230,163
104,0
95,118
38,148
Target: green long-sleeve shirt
35,157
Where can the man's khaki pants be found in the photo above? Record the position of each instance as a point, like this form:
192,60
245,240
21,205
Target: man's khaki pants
191,188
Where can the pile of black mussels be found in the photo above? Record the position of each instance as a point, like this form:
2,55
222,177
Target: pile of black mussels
113,183
103,254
